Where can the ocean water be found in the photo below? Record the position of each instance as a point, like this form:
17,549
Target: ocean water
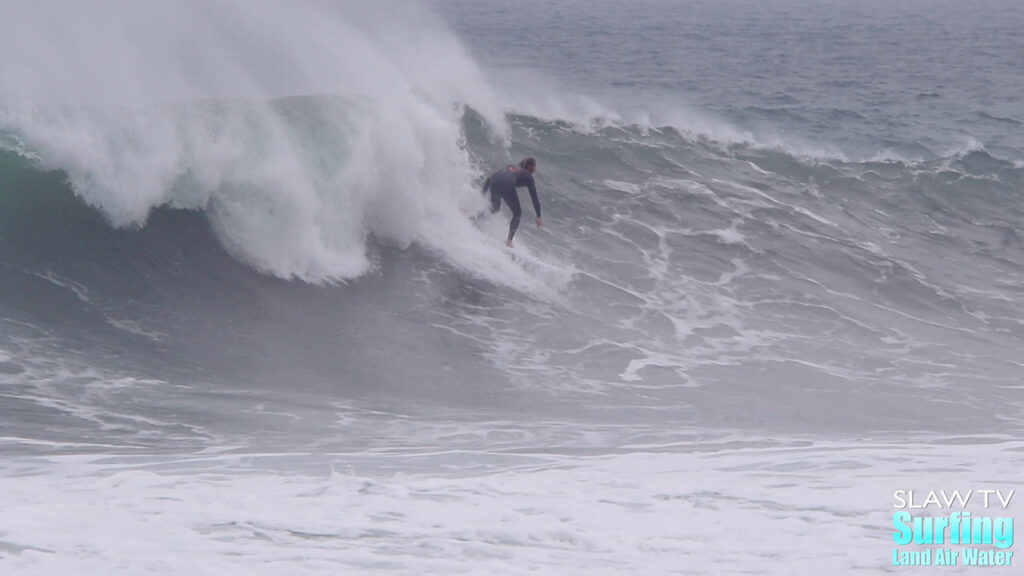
252,319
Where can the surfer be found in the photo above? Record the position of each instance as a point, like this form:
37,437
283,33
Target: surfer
503,184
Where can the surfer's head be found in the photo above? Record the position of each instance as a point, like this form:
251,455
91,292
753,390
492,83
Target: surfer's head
528,164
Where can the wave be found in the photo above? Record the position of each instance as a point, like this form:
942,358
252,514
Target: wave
295,188
667,262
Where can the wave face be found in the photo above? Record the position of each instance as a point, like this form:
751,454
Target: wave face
248,238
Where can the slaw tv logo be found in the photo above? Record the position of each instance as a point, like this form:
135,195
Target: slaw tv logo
952,528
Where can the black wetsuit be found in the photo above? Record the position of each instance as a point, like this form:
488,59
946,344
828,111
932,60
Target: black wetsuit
503,184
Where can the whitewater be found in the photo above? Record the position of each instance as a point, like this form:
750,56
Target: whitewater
255,315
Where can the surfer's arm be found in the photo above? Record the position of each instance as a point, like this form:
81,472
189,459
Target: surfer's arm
533,196
487,185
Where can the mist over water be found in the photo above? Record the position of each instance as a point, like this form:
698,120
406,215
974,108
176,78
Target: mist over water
253,307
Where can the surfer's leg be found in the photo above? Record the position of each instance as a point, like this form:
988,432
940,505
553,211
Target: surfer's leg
512,199
495,201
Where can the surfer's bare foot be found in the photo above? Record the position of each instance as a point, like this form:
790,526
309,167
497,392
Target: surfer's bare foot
508,242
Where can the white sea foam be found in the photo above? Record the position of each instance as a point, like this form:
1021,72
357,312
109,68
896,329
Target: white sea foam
730,235
722,506
80,292
627,187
